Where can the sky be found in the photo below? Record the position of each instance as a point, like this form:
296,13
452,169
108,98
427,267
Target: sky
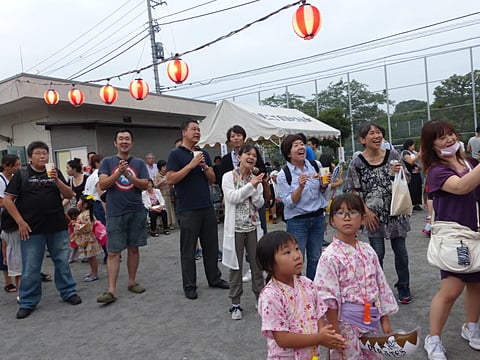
60,39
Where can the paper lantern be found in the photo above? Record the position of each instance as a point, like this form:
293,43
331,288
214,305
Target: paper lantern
177,71
76,97
51,97
108,94
138,89
307,21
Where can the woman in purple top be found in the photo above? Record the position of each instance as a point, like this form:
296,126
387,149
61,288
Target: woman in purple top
453,182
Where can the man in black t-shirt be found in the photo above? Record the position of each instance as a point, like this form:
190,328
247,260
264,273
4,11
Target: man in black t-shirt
190,169
38,211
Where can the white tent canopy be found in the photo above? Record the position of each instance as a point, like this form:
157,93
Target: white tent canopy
270,123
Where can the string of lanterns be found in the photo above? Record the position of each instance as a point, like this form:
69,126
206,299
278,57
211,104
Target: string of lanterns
306,23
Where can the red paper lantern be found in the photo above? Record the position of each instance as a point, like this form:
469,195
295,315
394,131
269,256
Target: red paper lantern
177,71
76,97
51,97
138,89
108,94
307,21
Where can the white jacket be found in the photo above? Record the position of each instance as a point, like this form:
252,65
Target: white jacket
232,197
146,199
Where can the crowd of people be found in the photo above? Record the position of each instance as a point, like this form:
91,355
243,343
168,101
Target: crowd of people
114,201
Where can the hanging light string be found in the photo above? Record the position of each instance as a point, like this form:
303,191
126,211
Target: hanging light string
234,32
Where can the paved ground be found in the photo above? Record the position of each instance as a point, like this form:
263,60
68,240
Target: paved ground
162,324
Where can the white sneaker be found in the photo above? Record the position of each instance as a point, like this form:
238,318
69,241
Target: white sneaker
236,312
473,337
247,277
434,349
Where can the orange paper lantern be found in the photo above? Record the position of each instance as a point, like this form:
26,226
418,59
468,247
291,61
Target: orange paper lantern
138,89
307,21
76,97
51,97
108,94
177,71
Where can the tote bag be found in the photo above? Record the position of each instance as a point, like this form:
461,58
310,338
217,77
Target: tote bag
454,247
401,202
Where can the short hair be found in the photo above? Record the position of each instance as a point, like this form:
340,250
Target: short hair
122,131
36,145
149,154
186,123
267,247
287,143
217,158
304,138
9,160
365,128
161,163
246,148
407,143
314,141
91,153
351,201
326,160
237,129
73,211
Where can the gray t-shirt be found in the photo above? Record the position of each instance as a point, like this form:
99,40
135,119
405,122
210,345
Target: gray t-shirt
474,144
123,197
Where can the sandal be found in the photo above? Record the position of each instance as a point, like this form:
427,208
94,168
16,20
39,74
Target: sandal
46,277
106,298
136,288
90,278
10,288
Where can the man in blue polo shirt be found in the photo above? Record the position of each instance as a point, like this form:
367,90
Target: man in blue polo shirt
190,169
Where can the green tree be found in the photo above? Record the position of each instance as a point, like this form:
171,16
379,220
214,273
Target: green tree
407,119
294,101
453,100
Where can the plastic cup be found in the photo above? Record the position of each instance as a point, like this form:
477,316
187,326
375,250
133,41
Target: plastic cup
49,167
195,153
324,175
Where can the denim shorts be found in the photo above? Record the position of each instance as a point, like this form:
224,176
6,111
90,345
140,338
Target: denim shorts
126,230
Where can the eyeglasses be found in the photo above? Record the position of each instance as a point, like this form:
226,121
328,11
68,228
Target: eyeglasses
343,214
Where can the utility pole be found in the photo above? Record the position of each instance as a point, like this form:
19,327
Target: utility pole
157,48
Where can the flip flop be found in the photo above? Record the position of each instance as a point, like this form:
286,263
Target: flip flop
10,288
136,288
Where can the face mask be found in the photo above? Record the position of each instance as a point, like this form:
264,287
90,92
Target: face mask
450,151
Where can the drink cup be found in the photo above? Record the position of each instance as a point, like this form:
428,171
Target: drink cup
195,153
49,167
324,175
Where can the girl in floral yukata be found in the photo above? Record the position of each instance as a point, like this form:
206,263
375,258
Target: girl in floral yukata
351,281
290,305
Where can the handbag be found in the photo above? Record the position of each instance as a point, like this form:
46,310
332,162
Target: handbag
401,202
100,232
454,247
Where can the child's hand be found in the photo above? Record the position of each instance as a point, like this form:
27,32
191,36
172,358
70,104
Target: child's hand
329,338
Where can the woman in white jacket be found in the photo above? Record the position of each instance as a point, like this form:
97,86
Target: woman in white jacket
243,195
155,204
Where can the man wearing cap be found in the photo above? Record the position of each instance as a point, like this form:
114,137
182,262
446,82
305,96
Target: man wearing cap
473,145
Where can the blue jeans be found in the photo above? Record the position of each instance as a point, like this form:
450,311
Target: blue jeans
399,248
309,233
33,251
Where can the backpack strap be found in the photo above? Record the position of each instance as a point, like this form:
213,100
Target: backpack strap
288,174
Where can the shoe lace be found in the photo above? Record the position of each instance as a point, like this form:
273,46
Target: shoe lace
233,308
437,347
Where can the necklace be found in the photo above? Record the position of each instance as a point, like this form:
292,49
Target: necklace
366,303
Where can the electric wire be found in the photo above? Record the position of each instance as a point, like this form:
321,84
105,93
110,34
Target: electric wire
77,38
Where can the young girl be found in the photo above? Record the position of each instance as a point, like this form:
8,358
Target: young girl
72,215
351,281
290,305
83,236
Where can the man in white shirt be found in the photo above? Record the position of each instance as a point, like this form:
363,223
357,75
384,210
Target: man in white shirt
151,166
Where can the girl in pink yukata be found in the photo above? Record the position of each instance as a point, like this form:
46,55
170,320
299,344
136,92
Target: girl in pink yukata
351,281
289,304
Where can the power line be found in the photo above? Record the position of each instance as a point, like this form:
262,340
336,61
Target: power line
76,39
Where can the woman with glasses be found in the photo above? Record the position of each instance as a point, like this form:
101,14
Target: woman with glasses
370,176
